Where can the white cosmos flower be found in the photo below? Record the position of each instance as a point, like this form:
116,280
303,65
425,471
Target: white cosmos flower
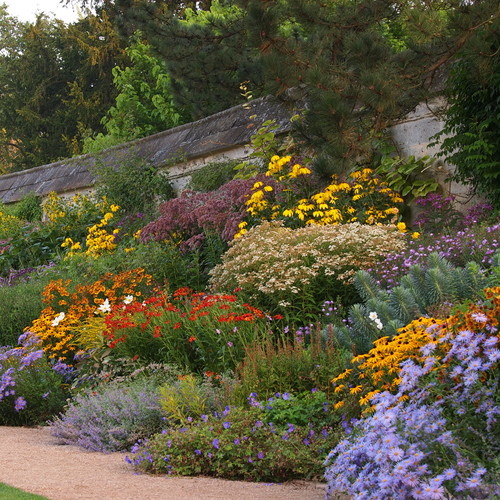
128,299
58,319
373,316
105,307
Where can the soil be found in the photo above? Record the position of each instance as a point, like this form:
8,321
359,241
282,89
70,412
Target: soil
33,460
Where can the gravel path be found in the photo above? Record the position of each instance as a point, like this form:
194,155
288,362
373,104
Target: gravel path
31,459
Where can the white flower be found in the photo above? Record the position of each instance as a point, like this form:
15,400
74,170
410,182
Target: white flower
128,299
379,324
373,316
58,319
105,307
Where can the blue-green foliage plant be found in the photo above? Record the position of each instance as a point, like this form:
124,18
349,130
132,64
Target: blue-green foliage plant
383,312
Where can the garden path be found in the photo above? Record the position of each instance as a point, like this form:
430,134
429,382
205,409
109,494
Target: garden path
31,459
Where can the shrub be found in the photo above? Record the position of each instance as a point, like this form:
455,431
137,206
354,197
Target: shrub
31,389
294,271
133,184
236,444
190,397
29,208
110,418
195,331
293,365
188,218
20,304
212,176
438,435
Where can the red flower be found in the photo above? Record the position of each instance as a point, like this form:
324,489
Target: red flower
157,331
177,325
278,316
192,338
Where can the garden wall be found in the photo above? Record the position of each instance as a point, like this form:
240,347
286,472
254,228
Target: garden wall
186,148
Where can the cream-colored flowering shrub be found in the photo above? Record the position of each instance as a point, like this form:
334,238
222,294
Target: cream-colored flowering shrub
293,271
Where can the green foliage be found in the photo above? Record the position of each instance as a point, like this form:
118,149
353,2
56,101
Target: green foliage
472,126
264,145
55,81
236,445
212,175
133,185
412,177
421,291
38,384
203,48
19,306
306,362
40,245
306,408
143,105
190,398
29,208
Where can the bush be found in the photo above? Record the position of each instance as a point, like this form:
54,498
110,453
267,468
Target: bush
293,271
20,304
31,389
306,362
112,417
188,218
212,176
190,397
29,208
133,185
236,444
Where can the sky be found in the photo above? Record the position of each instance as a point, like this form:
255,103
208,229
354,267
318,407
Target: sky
26,10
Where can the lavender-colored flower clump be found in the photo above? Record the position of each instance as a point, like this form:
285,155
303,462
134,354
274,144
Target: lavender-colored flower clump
111,419
472,243
31,390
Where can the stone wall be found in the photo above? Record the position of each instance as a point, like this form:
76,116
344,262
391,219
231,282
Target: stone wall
225,135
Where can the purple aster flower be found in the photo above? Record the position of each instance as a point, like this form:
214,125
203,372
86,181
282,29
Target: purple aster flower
20,404
215,443
226,425
260,455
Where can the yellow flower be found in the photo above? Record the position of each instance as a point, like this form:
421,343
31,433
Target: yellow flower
401,227
415,235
